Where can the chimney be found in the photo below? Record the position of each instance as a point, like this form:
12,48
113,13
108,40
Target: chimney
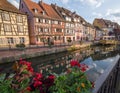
40,2
55,6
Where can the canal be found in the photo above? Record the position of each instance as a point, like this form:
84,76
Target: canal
98,59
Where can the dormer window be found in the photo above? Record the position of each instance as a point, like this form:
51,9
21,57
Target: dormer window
43,13
35,10
63,13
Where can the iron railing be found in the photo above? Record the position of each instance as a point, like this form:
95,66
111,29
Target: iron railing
109,81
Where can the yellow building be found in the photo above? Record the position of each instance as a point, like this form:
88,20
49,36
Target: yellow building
13,26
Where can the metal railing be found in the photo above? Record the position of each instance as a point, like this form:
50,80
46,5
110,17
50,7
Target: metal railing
109,80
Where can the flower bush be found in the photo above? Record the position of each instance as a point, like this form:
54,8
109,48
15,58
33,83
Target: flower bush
74,81
25,80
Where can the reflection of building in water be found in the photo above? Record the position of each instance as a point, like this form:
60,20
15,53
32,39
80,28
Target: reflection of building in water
60,64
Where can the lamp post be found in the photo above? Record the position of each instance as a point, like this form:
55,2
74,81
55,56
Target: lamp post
9,45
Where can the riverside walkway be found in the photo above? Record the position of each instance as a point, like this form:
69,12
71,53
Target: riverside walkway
9,55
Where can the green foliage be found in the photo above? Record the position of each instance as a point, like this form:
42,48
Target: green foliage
21,45
73,82
72,48
25,80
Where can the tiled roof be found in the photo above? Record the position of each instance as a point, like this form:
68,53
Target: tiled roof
58,10
32,6
5,5
65,12
100,23
105,23
49,10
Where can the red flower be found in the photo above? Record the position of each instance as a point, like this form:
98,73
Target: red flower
75,63
49,81
51,77
37,83
29,88
38,76
83,67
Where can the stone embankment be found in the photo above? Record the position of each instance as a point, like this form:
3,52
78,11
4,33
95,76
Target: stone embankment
13,55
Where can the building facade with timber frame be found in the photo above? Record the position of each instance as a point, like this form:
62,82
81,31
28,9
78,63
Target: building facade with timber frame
13,26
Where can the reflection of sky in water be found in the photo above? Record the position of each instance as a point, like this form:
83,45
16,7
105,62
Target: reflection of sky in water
96,68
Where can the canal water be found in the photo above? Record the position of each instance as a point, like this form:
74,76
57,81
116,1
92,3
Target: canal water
98,58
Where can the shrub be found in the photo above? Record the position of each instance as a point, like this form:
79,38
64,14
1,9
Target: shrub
21,45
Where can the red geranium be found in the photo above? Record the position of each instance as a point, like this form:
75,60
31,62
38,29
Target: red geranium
83,67
75,63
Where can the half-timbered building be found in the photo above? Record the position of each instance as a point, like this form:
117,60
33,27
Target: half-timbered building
13,26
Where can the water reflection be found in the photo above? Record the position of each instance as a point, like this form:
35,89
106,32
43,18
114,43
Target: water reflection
97,58
96,68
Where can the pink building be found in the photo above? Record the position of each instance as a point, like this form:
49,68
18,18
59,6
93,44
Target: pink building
45,25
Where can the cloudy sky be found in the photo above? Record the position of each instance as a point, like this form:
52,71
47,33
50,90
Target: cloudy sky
88,9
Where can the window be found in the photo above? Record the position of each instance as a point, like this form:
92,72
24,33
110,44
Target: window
59,30
47,21
67,31
37,38
55,38
43,20
55,22
46,30
6,17
19,19
22,40
43,12
10,40
1,41
59,37
20,28
40,20
7,27
35,10
0,27
36,20
40,30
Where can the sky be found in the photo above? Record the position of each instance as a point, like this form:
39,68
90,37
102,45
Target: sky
88,9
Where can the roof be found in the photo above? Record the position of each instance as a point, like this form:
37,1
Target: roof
103,23
58,10
100,23
6,6
49,10
65,12
32,6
